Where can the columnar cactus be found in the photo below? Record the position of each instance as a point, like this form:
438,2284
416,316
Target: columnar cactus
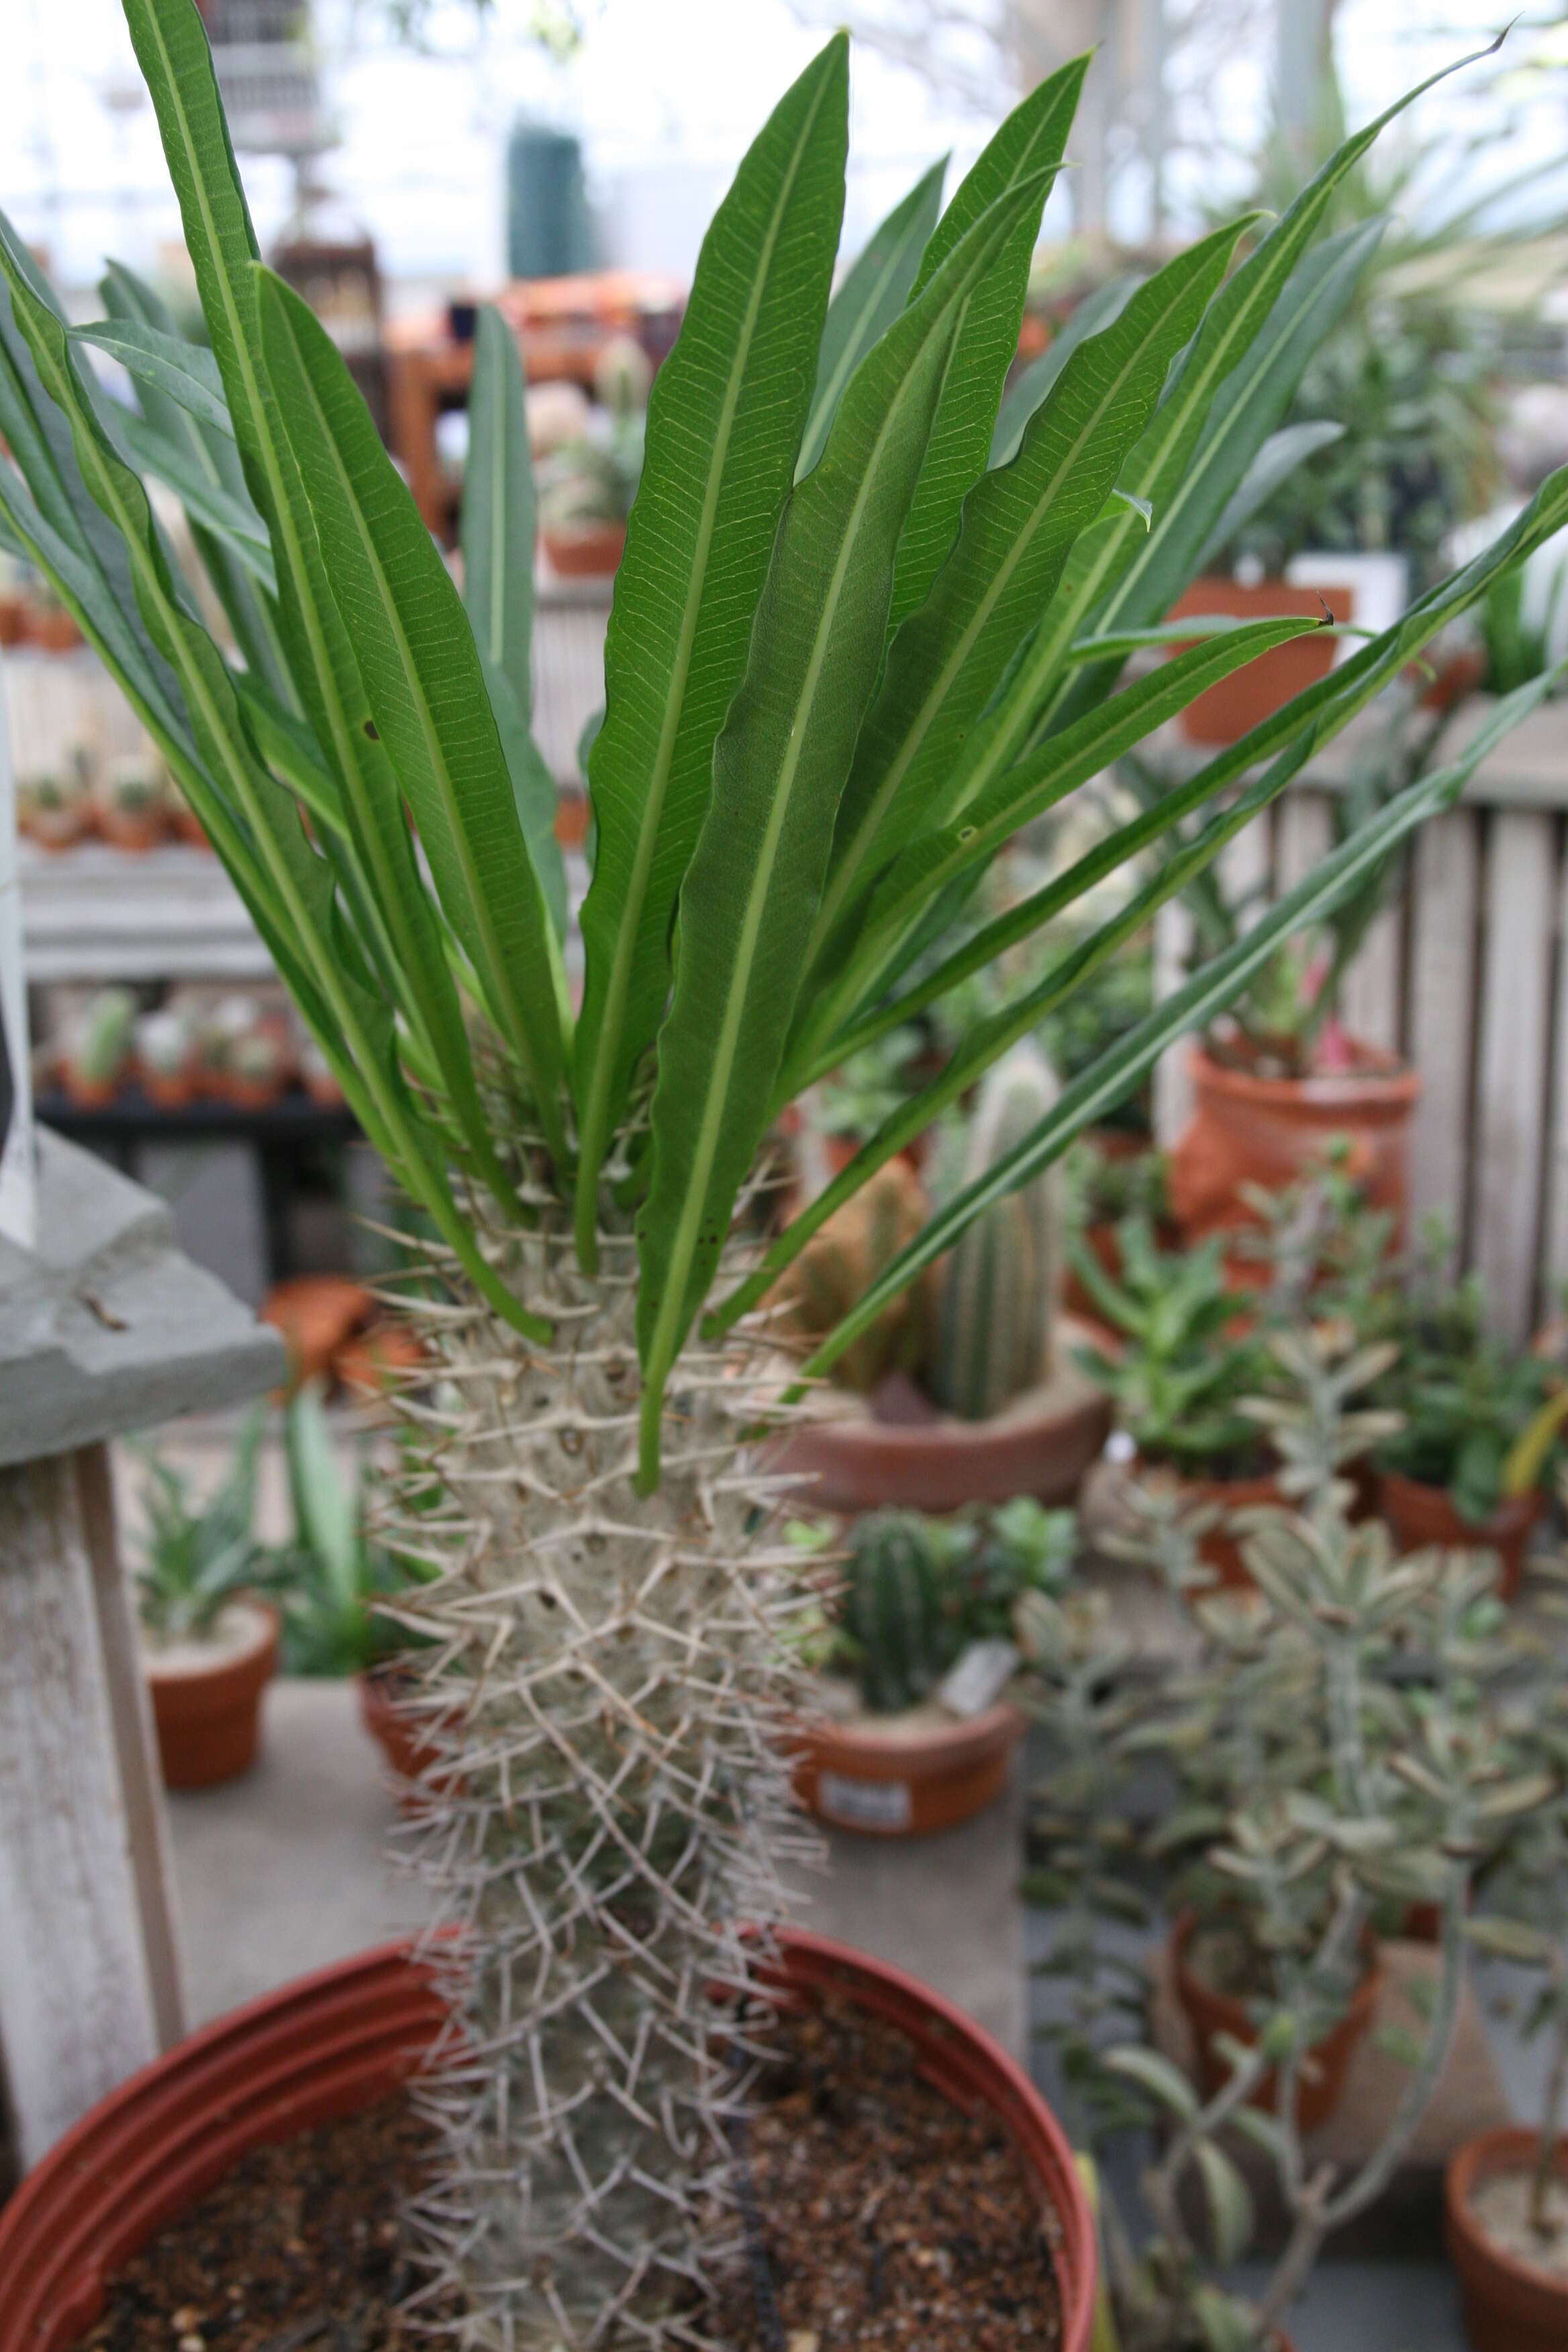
993,1336
893,1612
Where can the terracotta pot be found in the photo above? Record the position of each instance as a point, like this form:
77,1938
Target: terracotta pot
207,1711
13,620
572,812
334,2042
1460,675
395,1731
167,1093
585,551
317,1314
859,1464
137,833
373,1361
1244,700
187,827
1419,1514
58,828
1219,1548
1210,2012
87,1094
1508,2306
1247,1129
52,629
904,1782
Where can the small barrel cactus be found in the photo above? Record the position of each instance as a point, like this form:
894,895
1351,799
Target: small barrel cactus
840,1265
993,1336
893,1612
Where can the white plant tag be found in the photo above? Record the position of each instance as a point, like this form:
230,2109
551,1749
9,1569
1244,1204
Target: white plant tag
979,1678
864,1804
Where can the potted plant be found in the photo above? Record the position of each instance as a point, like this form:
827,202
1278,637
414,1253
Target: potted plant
166,1057
50,625
255,1067
965,1399
96,1056
1102,1184
317,1074
1507,2191
53,809
209,1640
909,1729
1462,1470
131,802
1315,1787
587,487
609,1610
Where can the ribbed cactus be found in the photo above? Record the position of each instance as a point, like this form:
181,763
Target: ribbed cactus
893,1614
838,1267
992,1335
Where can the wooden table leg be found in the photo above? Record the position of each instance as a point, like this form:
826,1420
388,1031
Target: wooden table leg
89,1983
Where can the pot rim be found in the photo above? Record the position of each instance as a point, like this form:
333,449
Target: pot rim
1385,1085
222,1662
935,1747
1368,1985
117,2144
1505,2147
1513,1511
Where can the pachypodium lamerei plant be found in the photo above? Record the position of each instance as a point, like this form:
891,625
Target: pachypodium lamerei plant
846,659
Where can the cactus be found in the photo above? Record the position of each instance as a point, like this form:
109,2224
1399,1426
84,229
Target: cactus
992,1337
839,1266
893,1612
100,1041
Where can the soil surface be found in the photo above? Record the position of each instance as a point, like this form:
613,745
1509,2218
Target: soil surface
1501,2207
877,2219
299,2250
878,2215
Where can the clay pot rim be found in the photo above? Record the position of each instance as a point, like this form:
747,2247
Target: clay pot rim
347,2033
856,1426
223,1663
1505,2147
934,1747
1384,1084
1362,2002
1511,1514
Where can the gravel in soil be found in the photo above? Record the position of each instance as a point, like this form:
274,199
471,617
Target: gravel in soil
1501,2206
879,2218
878,2214
299,2249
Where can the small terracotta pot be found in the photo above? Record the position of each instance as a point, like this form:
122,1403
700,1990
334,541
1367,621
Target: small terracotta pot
135,833
1220,1548
931,1777
1269,1131
88,1094
1508,2306
187,827
1210,2012
52,629
382,1357
333,2043
395,1729
167,1093
1250,695
208,1716
317,1314
585,551
58,829
859,1464
1419,1514
13,620
571,812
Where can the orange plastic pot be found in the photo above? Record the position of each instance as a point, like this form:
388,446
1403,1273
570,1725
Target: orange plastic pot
208,1716
335,2043
1250,1129
1418,1516
1250,695
1212,2015
929,1778
1508,2305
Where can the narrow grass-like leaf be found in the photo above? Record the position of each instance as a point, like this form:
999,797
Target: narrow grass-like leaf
235,520
1019,522
427,690
779,769
1029,142
185,371
1276,461
873,293
1099,310
723,429
498,523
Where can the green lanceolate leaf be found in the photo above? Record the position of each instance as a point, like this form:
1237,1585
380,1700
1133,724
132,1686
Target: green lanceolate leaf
1198,1001
779,769
873,293
426,688
498,533
186,373
234,519
724,428
1031,140
1276,461
252,615
1019,522
1028,389
498,523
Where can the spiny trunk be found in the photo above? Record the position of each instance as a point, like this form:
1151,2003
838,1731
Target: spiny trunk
608,1676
